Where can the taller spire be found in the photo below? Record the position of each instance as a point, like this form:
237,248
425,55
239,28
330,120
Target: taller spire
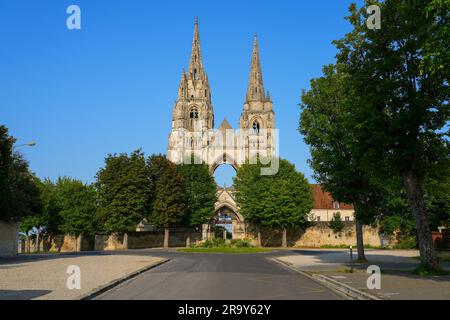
255,91
195,70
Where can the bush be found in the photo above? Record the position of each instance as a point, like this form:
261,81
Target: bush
336,223
220,243
214,243
407,243
241,243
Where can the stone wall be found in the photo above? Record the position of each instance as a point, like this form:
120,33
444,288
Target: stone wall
58,243
8,239
148,239
318,234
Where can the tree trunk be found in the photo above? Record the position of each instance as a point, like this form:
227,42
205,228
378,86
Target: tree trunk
284,239
166,238
360,240
259,238
188,241
36,247
414,194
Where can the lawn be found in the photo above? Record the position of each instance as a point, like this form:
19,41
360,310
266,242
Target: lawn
225,250
444,256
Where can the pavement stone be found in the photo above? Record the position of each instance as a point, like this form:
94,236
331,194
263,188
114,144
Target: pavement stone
44,278
397,281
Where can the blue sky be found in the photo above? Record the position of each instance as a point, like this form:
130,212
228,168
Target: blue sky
110,87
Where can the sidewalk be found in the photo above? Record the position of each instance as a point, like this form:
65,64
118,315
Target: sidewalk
397,281
45,278
398,285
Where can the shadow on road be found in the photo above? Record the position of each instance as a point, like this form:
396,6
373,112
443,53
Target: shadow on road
22,294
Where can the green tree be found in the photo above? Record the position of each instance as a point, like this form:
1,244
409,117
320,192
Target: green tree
437,198
169,201
78,207
19,194
6,161
48,219
280,201
396,217
336,222
124,192
201,191
339,165
400,74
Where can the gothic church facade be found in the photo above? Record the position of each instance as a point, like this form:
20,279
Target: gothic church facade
193,137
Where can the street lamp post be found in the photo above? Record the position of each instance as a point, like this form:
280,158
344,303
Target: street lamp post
29,144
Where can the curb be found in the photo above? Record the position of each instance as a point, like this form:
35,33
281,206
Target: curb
338,287
102,289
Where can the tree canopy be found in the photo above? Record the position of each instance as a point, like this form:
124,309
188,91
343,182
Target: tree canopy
280,201
124,190
77,202
169,201
398,93
201,191
19,194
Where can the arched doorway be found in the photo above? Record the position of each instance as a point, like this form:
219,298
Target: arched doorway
227,215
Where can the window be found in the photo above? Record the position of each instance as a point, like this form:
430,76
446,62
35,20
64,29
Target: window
335,205
318,218
195,74
256,127
347,218
194,113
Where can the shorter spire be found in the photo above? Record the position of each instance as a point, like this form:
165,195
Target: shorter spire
183,85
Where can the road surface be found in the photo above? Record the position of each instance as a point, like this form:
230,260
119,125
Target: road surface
199,276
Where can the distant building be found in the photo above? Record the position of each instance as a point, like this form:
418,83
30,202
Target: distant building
325,206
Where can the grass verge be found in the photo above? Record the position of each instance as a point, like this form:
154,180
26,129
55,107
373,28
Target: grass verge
424,271
225,250
442,256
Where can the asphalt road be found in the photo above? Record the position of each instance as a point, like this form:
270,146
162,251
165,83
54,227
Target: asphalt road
191,276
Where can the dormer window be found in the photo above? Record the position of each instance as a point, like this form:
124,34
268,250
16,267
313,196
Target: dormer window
335,205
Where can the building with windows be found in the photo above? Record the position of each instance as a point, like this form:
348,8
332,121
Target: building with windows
325,207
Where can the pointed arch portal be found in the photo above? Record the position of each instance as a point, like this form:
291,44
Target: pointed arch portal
223,159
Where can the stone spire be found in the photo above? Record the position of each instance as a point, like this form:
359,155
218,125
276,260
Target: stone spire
195,70
183,88
255,91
